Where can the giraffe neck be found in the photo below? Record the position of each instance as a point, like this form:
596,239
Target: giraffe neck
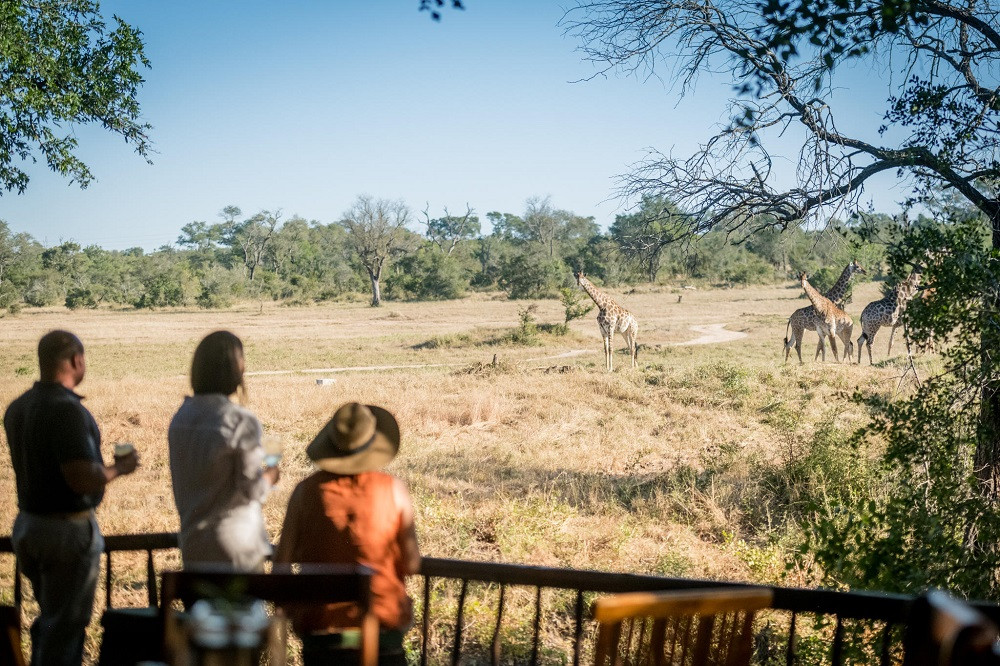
839,288
818,300
601,299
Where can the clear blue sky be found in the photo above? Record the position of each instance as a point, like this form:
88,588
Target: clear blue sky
304,105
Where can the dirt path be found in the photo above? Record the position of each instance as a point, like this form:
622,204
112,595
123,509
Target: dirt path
710,334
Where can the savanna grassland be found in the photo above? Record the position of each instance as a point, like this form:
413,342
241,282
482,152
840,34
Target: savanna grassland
679,467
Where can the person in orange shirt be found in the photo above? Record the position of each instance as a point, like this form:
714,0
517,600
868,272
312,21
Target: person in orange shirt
348,512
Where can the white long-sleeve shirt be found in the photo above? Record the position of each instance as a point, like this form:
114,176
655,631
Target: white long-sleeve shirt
215,465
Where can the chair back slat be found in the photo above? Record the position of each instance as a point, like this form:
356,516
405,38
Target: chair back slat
308,583
687,628
944,631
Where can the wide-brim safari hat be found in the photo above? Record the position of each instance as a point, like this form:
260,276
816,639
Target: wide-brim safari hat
359,438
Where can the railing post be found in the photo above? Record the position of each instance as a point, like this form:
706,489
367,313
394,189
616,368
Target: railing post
495,646
107,579
151,595
538,625
790,652
838,643
457,652
886,641
425,625
578,629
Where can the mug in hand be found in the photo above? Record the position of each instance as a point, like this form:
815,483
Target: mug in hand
272,450
122,449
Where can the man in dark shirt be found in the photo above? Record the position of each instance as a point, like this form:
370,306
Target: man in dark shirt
55,450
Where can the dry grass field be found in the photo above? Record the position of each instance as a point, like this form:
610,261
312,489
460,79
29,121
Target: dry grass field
542,458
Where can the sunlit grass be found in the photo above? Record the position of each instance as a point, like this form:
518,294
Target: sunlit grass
513,453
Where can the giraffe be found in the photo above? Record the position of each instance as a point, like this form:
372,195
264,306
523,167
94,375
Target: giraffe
831,321
886,312
611,317
804,319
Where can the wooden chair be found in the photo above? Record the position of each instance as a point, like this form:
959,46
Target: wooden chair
309,583
683,627
11,651
943,631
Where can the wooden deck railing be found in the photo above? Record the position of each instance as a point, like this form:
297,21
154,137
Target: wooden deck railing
877,617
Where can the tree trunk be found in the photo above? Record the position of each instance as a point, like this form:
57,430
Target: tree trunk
988,447
376,289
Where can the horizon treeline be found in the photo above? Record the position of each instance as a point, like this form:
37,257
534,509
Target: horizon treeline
381,249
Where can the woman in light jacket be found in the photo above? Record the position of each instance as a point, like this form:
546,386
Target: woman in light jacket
216,460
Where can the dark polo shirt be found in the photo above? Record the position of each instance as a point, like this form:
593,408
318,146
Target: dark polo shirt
46,427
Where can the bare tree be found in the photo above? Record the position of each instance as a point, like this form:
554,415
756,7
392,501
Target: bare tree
377,232
941,127
251,236
448,231
542,222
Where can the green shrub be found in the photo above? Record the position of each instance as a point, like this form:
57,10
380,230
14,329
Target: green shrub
81,297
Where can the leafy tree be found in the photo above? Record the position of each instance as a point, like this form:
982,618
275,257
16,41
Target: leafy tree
448,231
62,66
427,274
434,7
252,236
931,526
531,274
643,235
16,251
377,233
938,132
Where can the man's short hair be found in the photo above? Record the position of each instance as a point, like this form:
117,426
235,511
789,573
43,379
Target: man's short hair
54,348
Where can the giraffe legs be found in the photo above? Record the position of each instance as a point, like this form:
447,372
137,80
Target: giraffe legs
833,346
608,352
794,341
845,337
892,332
633,347
820,349
866,341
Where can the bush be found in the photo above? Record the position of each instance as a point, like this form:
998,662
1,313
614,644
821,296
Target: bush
42,290
532,276
81,297
426,275
217,285
162,289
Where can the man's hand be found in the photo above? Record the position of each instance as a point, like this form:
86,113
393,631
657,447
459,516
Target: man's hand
272,474
127,463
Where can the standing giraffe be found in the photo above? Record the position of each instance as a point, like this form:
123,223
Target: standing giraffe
831,321
886,312
804,319
611,317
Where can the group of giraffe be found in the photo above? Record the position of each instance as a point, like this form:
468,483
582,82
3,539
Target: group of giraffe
826,316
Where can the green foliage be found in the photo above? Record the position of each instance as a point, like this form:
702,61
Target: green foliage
43,288
81,297
426,275
531,275
64,67
304,261
575,304
217,286
644,235
164,287
933,518
526,334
